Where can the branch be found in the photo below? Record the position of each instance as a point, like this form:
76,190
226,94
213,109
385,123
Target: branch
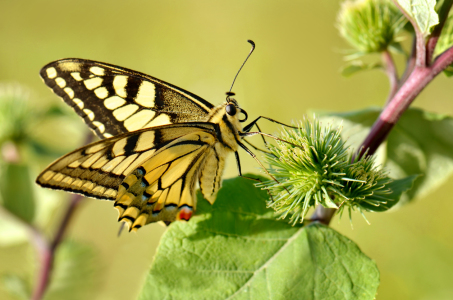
410,64
47,249
323,215
420,53
391,72
417,81
434,37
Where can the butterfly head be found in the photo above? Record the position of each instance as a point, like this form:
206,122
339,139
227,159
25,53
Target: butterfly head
232,108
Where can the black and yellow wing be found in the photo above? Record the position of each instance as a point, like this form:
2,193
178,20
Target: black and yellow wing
150,173
114,100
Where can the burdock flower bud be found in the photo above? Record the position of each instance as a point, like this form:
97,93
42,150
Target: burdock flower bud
370,25
365,187
309,169
313,168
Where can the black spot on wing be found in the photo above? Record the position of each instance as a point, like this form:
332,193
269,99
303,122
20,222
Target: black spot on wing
130,144
159,103
132,86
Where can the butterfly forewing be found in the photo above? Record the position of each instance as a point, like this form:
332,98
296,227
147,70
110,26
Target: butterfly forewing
114,100
98,169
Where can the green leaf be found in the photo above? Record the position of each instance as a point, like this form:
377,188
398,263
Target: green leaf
422,13
16,286
357,66
75,273
420,143
236,249
16,191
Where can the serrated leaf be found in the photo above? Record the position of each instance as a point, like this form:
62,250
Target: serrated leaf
236,249
422,13
420,143
16,191
16,286
74,275
357,66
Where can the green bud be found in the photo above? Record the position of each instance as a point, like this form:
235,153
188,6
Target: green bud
313,167
365,186
14,112
370,25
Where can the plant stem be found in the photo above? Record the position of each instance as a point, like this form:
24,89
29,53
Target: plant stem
418,79
410,64
47,249
392,74
323,215
434,37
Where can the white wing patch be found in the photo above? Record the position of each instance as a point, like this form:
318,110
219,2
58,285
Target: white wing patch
139,120
119,84
51,72
146,94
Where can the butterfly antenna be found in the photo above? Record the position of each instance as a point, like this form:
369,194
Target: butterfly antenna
229,93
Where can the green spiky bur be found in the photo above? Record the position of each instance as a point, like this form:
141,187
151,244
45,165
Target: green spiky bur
313,167
365,183
370,26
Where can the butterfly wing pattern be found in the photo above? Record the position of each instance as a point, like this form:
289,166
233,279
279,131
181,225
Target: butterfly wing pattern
157,141
114,100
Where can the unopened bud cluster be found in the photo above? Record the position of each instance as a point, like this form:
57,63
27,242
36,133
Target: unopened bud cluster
313,167
370,26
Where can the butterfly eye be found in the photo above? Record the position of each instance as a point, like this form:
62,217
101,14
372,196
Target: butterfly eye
231,109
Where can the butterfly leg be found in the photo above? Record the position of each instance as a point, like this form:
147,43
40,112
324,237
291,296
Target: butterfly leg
245,134
238,162
248,127
258,161
256,148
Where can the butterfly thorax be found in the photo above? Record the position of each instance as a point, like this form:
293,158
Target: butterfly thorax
229,124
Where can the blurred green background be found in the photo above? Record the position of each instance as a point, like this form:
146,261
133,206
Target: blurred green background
199,46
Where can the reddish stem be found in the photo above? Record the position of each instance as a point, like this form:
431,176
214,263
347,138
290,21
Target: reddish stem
47,249
421,75
410,64
392,74
434,37
416,82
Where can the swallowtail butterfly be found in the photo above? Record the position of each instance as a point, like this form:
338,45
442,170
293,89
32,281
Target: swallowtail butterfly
157,141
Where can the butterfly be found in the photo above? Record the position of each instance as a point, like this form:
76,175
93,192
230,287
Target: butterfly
157,141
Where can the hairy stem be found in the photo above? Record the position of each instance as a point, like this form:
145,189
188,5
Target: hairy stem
392,74
410,64
417,81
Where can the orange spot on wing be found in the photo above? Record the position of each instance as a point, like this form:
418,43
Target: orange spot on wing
185,213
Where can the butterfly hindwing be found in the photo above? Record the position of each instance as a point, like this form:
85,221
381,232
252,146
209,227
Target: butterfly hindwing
98,169
163,187
114,100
